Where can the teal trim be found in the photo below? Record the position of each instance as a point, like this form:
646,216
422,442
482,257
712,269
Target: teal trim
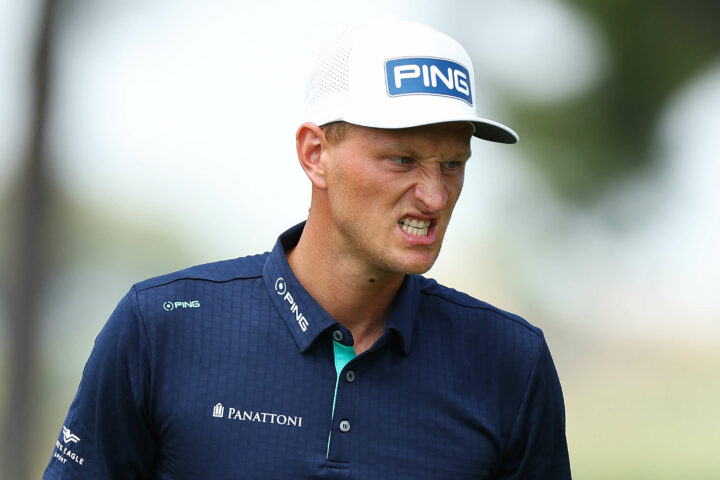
343,355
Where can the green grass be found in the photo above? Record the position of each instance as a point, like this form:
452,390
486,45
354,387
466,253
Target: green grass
645,412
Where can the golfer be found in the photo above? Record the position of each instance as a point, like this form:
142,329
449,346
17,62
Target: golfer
331,356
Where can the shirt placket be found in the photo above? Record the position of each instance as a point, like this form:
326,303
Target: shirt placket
341,429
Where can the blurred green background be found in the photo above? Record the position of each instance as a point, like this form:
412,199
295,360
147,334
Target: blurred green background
141,137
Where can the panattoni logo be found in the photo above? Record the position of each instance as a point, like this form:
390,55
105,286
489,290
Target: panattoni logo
218,411
68,436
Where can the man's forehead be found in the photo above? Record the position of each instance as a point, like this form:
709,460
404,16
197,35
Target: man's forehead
449,130
450,141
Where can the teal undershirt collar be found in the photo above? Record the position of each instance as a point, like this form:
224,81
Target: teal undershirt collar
343,354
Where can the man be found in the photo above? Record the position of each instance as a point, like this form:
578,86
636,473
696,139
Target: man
330,357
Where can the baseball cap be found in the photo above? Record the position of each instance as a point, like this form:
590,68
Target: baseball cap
396,74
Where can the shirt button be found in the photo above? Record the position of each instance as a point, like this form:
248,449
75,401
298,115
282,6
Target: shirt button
337,336
350,376
344,426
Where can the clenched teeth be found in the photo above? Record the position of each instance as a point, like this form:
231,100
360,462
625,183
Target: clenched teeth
418,228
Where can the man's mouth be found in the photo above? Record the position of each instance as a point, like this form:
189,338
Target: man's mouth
418,228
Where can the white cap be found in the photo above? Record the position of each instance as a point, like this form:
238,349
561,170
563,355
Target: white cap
396,74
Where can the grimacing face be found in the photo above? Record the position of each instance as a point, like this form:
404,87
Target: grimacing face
391,192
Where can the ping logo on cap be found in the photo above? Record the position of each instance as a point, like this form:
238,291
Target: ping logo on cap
427,75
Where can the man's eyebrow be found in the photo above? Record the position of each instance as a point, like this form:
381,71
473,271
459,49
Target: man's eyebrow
463,154
399,147
402,148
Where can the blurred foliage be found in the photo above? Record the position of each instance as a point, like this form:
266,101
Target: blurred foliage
584,146
81,235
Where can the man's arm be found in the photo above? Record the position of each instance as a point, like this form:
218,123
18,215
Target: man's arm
106,433
538,447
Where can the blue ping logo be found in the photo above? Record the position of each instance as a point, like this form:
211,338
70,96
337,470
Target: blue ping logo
427,75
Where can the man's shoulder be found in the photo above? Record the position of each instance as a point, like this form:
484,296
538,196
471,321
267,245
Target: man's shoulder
215,272
453,301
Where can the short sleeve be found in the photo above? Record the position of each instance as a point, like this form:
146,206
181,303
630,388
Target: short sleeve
538,447
106,433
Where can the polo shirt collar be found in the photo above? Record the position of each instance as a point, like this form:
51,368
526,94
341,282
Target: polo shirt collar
306,319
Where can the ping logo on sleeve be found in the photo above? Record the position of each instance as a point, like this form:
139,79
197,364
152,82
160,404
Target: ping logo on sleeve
427,75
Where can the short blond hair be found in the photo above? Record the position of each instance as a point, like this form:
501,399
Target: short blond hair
336,132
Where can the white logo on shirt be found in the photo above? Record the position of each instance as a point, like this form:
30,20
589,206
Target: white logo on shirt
68,436
281,289
62,453
280,286
170,306
258,417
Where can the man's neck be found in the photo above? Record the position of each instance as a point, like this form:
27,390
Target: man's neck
353,294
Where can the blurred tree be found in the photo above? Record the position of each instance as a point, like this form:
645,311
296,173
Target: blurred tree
585,145
29,259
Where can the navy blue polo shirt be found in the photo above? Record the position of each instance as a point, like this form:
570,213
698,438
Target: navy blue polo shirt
228,371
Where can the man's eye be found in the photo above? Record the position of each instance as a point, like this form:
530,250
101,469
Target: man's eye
402,160
451,165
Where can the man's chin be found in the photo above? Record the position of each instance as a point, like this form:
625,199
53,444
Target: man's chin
416,266
417,270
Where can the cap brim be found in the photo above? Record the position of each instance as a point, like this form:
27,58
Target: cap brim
485,129
494,131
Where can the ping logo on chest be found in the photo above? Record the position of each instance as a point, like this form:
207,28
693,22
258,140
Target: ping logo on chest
429,76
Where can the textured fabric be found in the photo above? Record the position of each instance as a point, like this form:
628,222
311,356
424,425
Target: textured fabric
226,370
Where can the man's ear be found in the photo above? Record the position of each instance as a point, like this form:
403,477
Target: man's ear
311,145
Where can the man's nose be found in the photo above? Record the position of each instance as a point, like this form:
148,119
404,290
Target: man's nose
431,191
